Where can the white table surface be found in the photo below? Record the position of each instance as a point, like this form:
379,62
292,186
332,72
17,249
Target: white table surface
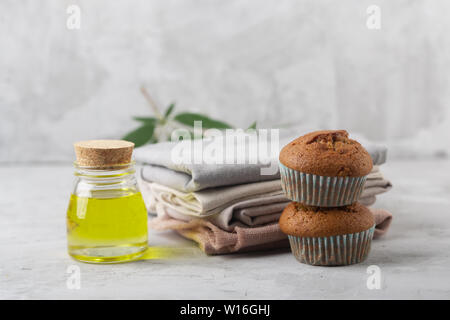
414,257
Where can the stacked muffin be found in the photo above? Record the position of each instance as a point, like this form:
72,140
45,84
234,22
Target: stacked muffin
323,173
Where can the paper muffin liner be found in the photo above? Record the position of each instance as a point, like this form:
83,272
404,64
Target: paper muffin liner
332,251
320,191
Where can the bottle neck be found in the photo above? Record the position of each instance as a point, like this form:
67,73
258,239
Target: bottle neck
117,172
105,182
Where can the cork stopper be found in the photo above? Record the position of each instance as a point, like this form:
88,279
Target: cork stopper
103,153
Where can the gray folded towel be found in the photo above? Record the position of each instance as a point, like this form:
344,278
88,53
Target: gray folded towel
160,167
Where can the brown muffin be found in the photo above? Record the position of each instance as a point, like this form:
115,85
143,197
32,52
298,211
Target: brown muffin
305,221
327,153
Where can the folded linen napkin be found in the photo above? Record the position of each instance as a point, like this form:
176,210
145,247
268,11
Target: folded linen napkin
214,200
245,214
368,201
383,220
214,240
160,166
375,186
188,175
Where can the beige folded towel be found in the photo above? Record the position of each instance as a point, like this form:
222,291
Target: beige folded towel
210,201
249,213
368,200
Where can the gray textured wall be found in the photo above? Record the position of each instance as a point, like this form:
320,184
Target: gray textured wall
307,63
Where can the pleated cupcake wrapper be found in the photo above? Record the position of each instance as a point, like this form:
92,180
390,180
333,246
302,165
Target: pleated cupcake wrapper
332,251
320,191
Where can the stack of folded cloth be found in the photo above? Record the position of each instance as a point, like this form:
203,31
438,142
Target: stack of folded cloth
229,208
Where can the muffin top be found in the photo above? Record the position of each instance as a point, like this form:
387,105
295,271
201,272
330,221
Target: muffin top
327,153
305,221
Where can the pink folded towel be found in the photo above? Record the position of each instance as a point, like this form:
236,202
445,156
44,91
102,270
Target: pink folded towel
383,219
214,240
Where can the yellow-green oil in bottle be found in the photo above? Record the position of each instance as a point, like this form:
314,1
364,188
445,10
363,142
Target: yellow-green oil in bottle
107,230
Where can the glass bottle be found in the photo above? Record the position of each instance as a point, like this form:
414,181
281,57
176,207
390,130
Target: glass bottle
107,217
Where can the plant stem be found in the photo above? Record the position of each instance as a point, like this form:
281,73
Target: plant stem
151,103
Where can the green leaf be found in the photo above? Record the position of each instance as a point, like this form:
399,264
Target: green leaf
141,135
146,120
169,110
188,118
252,126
